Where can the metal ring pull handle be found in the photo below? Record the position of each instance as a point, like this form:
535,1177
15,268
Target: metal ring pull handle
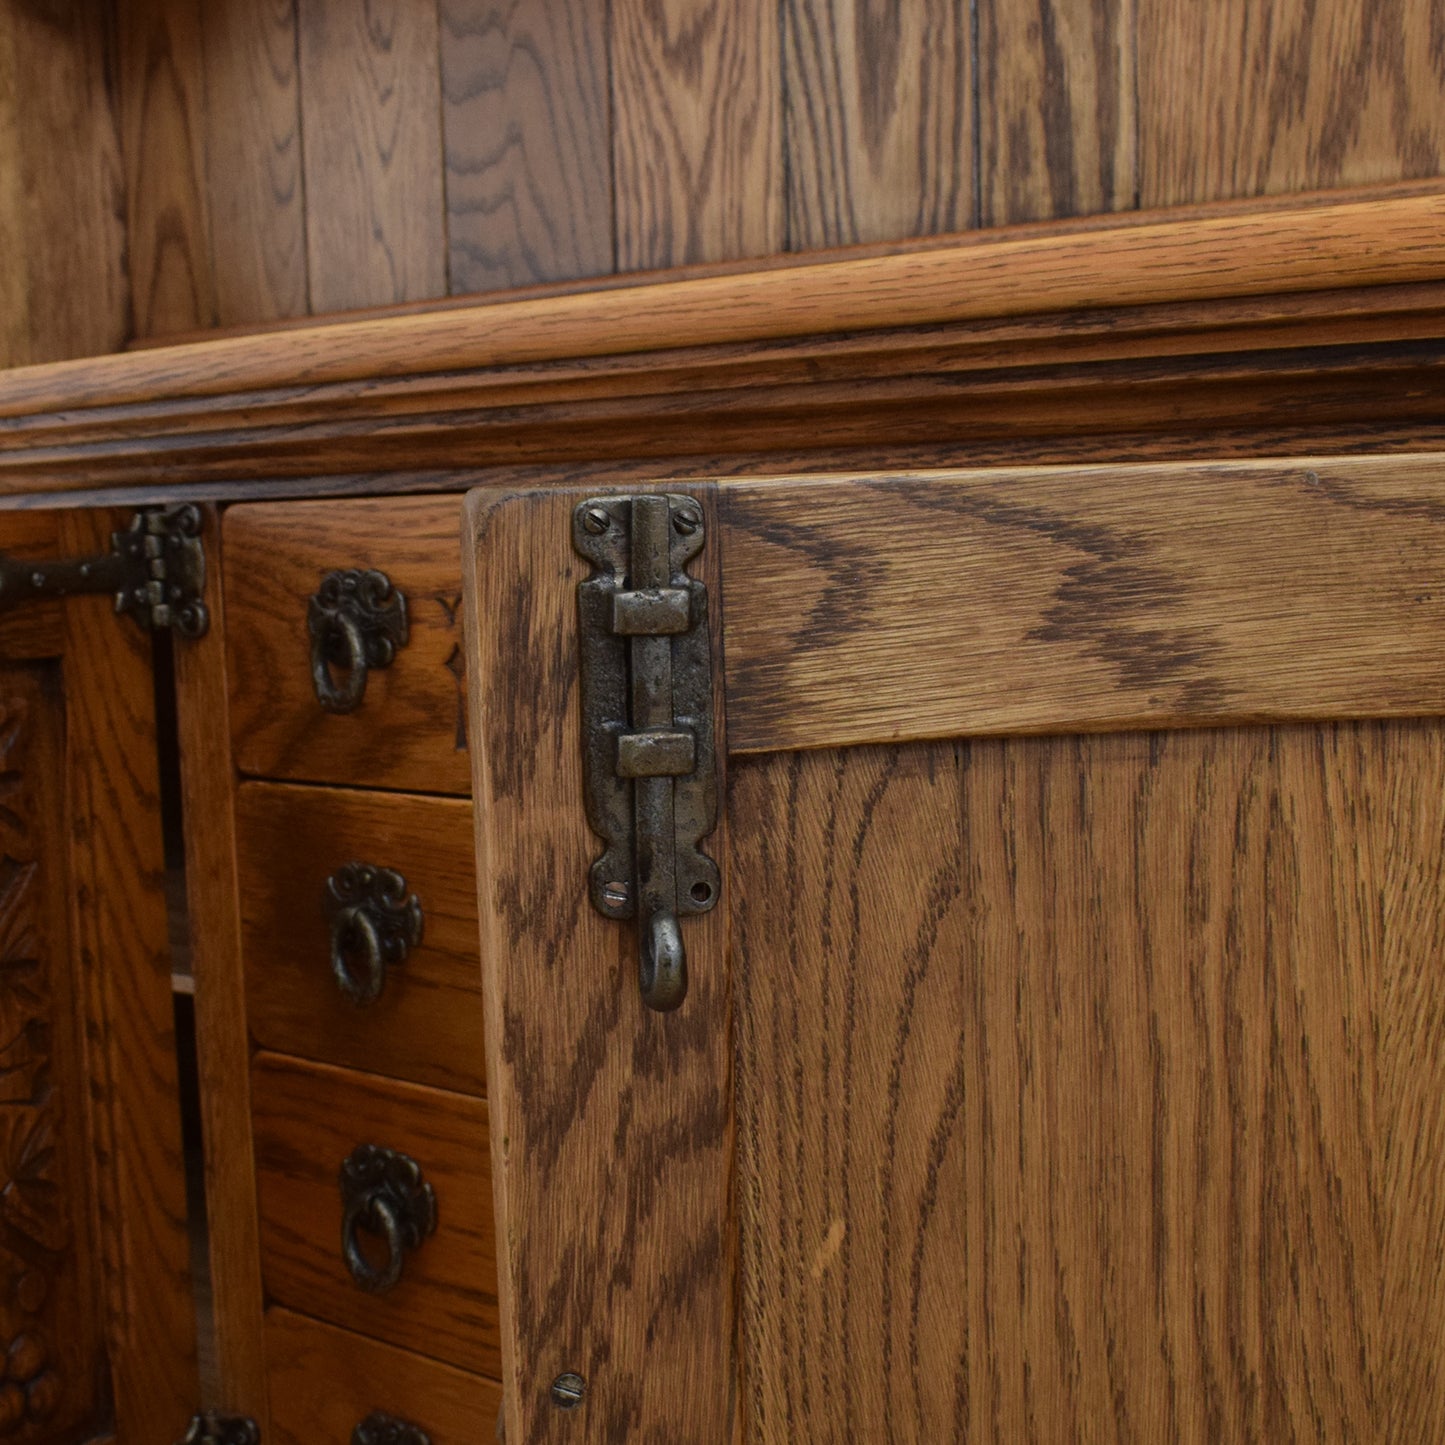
357,620
379,1428
383,1194
374,925
662,971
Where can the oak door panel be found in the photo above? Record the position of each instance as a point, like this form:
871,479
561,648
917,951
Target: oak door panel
1092,1096
96,1318
427,1020
1083,1075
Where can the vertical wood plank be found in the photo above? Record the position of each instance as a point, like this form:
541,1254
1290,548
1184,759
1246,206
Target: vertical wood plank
697,136
253,160
370,113
878,120
120,934
1056,90
63,285
526,118
223,1048
162,84
611,1126
1247,99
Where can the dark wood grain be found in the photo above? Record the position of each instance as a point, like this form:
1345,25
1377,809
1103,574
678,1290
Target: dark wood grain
696,133
526,113
223,1046
878,120
372,158
253,161
1074,1076
410,730
427,1023
1242,99
168,223
1033,600
593,1097
63,287
52,1315
308,1119
1057,121
361,1376
123,981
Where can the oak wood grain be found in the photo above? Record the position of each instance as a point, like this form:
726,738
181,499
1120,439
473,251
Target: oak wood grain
526,113
63,288
123,978
1241,99
1080,1084
361,1375
168,222
1057,118
877,119
223,1049
410,731
1030,601
696,132
308,1119
253,161
612,1125
1232,253
427,1023
372,158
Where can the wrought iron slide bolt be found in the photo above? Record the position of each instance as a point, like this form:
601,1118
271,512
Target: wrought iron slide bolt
155,570
374,924
383,1194
647,726
357,620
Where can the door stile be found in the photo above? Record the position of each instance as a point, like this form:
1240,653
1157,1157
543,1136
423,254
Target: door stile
612,1124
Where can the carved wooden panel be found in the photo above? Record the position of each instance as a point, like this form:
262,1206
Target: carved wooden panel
50,1327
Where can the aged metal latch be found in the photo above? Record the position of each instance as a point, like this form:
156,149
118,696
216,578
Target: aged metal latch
647,727
156,570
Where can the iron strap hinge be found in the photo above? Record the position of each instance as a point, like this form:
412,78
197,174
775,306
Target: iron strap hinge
155,569
647,724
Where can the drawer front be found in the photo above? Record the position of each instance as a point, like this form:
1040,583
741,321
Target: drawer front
306,908
325,1381
309,1119
409,729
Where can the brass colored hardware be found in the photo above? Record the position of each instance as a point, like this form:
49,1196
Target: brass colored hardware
374,925
384,1194
647,726
357,620
382,1429
214,1428
155,569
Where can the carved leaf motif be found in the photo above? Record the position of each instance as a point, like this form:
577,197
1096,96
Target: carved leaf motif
30,1200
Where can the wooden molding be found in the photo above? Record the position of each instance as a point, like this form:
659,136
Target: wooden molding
1323,319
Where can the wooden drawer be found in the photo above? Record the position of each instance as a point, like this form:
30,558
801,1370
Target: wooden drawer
308,1120
426,1023
324,1381
409,730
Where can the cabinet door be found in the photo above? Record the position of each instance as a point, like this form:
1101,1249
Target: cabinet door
1063,1058
97,1330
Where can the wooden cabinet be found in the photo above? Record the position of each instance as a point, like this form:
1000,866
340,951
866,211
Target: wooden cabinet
1057,1057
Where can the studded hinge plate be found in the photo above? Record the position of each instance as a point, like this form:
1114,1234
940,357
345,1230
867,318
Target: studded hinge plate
647,727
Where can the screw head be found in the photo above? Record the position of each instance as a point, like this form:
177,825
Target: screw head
615,894
568,1390
596,520
686,520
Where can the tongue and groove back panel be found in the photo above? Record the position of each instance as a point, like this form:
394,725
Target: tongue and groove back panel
256,162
